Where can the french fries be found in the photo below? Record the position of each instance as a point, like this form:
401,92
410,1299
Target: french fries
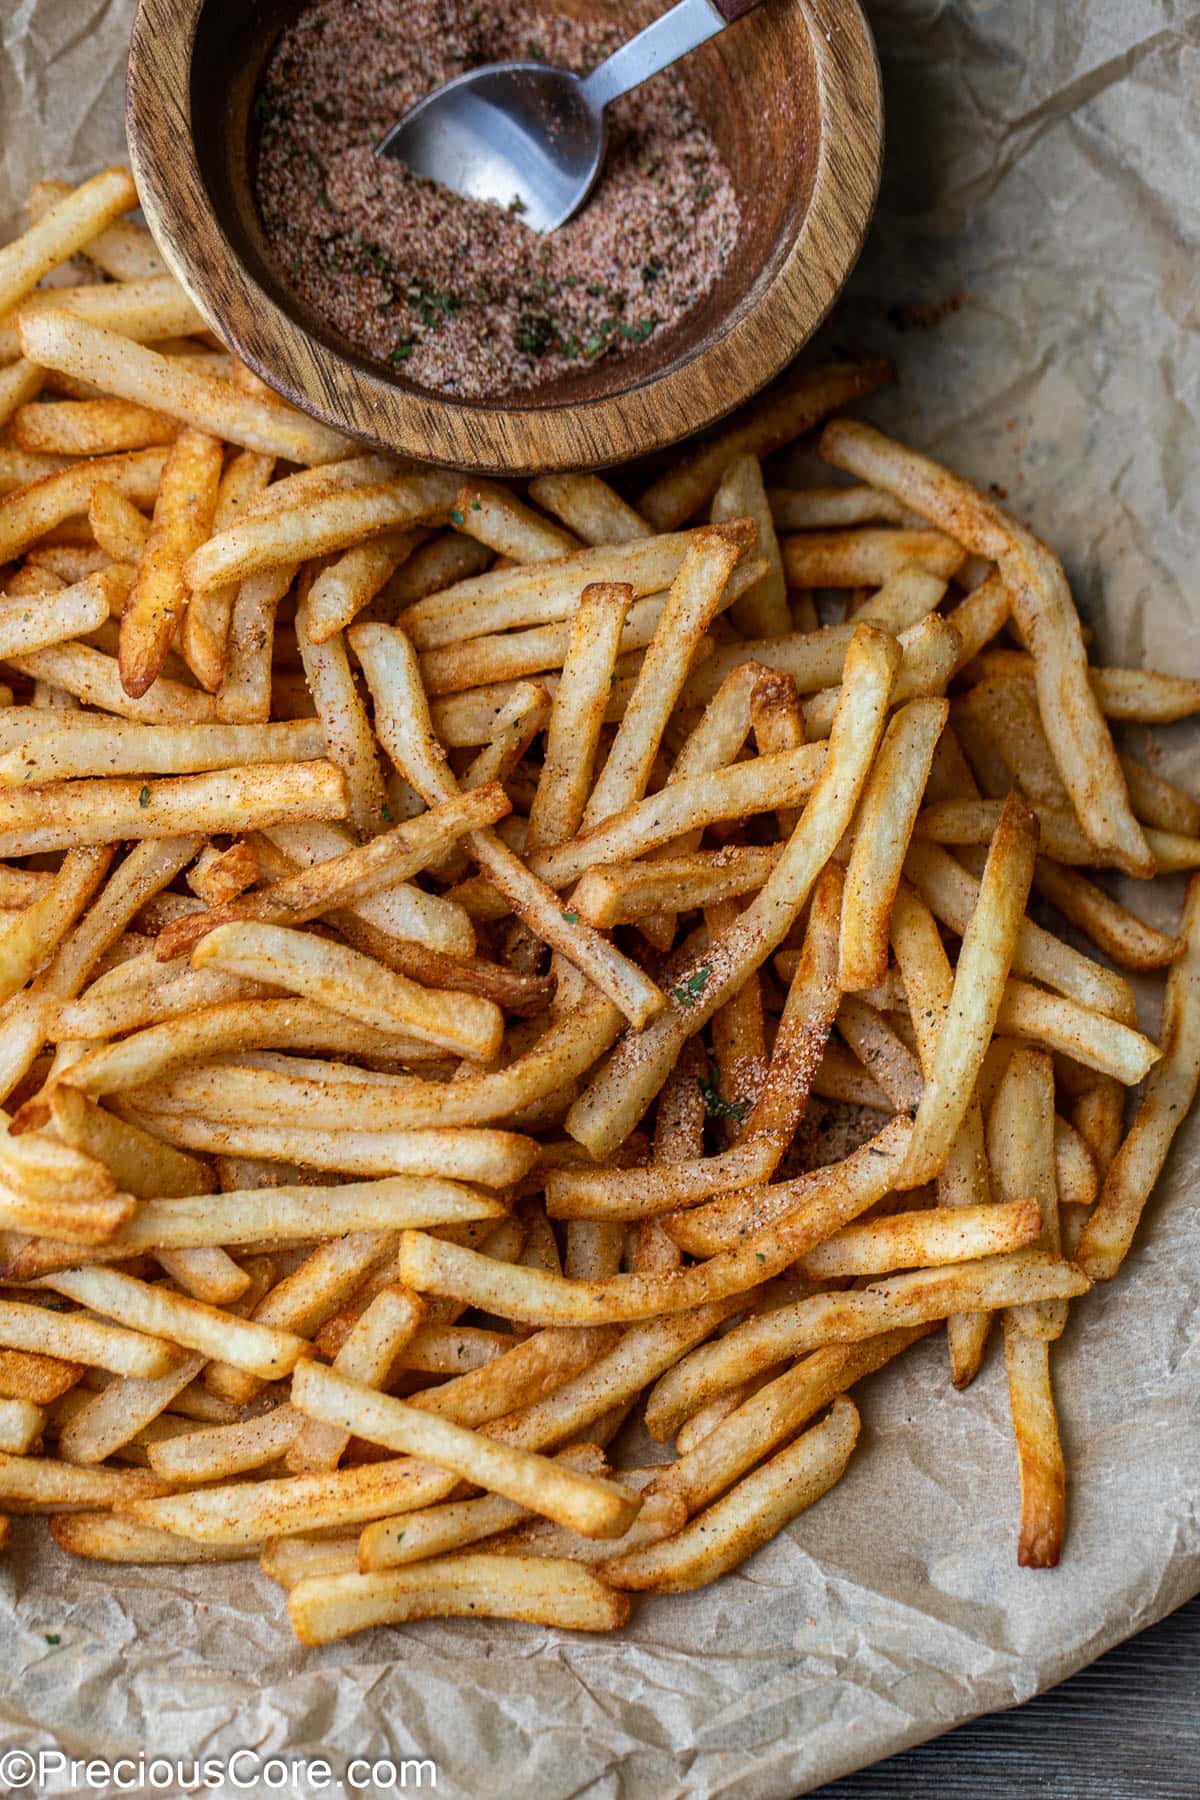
445,1006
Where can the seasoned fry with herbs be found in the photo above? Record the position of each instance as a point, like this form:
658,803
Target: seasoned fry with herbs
478,959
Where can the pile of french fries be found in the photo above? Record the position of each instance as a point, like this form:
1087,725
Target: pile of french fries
476,963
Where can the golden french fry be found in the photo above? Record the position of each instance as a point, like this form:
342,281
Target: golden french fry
886,815
589,508
616,1100
262,1349
983,965
150,309
952,893
488,512
403,726
123,250
342,590
21,1425
75,1336
95,679
691,605
766,425
1168,1095
1042,605
547,1591
285,536
31,1375
583,1192
597,1508
89,427
729,1531
763,610
28,513
1039,1452
59,340
106,1538
866,557
821,1205
350,742
1116,930
297,1214
897,1301
349,983
1020,1146
37,931
923,1239
65,228
99,812
183,516
38,1484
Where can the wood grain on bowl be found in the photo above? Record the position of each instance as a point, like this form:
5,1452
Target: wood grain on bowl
793,99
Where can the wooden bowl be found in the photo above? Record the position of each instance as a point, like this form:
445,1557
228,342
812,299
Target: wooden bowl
792,95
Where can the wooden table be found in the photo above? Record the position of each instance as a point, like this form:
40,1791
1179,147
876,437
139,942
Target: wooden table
1128,1728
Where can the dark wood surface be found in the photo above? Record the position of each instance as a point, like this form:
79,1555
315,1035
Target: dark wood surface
1127,1728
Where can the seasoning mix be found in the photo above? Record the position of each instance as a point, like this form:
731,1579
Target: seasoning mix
460,294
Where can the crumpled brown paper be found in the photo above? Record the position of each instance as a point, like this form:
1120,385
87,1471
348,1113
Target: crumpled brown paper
1040,203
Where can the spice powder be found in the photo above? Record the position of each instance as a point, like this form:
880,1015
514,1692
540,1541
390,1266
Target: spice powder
460,294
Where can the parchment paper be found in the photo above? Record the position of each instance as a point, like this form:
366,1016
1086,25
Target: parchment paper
1044,173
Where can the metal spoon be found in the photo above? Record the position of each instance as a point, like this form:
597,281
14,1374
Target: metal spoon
531,137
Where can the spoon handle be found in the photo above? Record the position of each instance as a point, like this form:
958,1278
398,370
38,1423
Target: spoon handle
690,23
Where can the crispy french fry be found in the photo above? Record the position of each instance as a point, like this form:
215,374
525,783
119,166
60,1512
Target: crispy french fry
37,931
349,983
598,1508
487,511
65,228
350,742
74,1335
56,339
766,425
590,508
123,250
262,1349
834,1197
1168,1095
887,813
983,966
1020,1144
38,1484
1111,926
1039,1452
107,1538
617,1099
763,610
691,605
896,1302
1044,610
28,513
403,725
751,1513
95,679
97,812
341,591
183,516
262,541
547,1591
866,557
89,427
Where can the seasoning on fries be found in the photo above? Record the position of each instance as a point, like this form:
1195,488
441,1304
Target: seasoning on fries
448,1003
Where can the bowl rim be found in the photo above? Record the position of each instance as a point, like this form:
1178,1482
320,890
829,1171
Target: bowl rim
655,412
